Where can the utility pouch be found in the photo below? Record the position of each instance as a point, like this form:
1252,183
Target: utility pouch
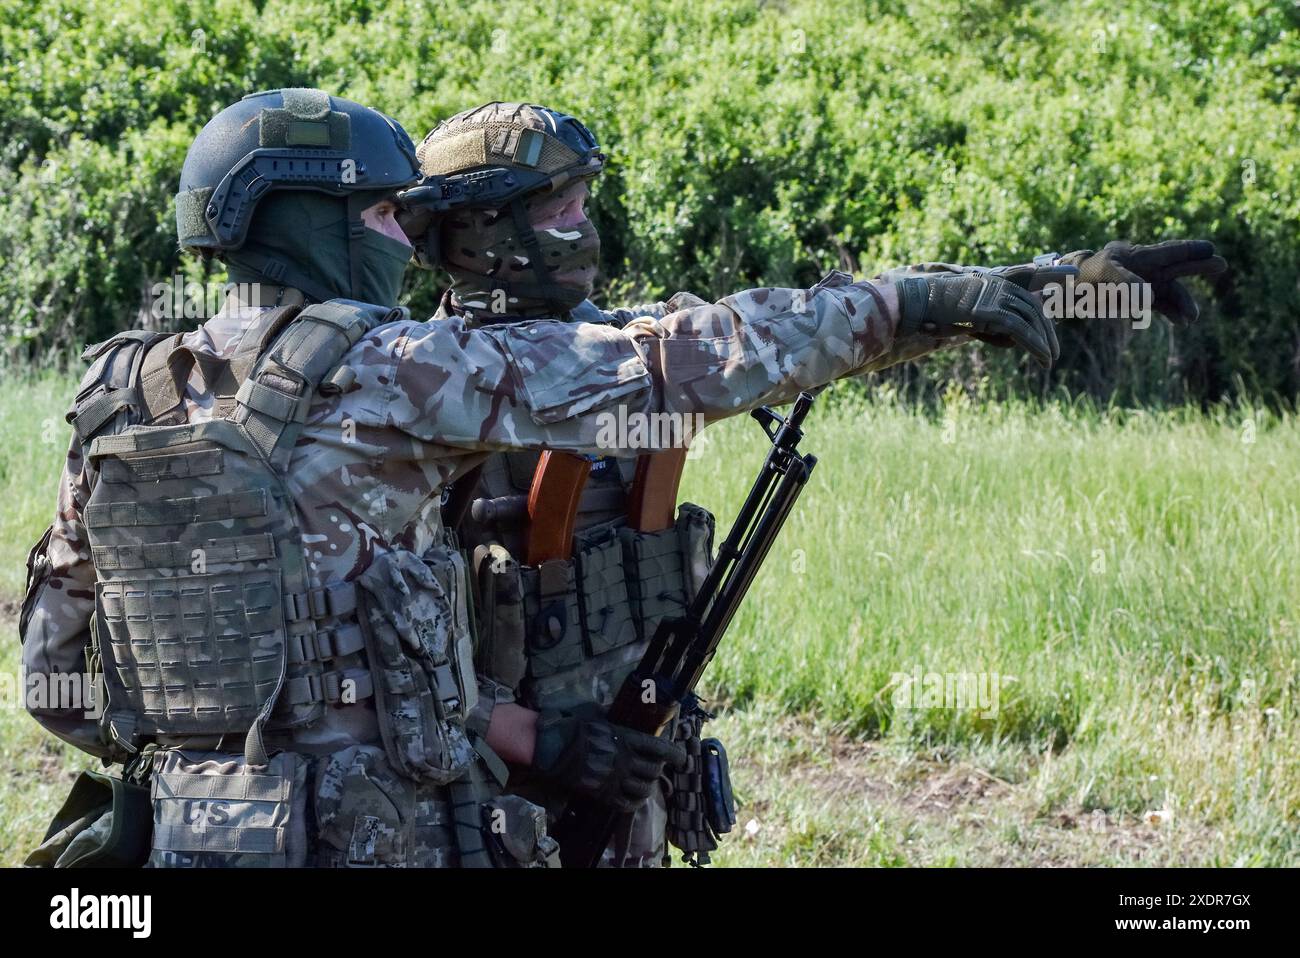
415,622
602,590
38,573
103,823
365,811
720,806
501,633
214,810
370,815
516,829
695,526
701,806
656,587
552,617
666,568
583,601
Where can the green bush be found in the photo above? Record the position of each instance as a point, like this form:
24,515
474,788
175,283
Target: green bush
751,144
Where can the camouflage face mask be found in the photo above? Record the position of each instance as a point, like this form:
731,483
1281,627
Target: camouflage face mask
492,268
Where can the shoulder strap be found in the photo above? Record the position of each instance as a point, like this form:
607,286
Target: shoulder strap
111,384
167,367
273,400
162,376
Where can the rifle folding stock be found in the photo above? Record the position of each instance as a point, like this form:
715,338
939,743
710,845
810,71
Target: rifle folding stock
682,647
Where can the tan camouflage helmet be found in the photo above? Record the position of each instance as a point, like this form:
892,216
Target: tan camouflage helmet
488,158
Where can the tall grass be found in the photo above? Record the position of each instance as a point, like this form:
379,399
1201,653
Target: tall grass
1131,577
33,444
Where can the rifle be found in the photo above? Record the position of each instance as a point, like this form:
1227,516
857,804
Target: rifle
683,646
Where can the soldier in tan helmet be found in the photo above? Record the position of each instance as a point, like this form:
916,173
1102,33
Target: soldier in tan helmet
502,210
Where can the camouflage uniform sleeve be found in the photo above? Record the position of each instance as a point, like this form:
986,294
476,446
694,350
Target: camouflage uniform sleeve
57,611
589,312
555,385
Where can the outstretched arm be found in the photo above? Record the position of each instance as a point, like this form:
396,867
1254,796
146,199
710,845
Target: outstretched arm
555,385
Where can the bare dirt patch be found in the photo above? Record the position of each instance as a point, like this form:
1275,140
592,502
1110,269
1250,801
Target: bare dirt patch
953,811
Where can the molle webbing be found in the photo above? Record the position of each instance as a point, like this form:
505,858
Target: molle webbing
150,438
179,555
186,465
94,413
197,654
114,388
183,511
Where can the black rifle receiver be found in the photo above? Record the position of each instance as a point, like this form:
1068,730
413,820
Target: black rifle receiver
682,647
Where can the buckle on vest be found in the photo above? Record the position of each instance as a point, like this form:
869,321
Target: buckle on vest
332,601
295,607
333,643
317,603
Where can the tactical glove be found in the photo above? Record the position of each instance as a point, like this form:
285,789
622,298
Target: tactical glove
609,763
1159,265
978,304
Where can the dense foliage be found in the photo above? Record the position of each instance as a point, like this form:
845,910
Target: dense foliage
752,143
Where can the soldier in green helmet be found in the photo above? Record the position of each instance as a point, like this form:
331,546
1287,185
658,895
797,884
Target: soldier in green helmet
242,554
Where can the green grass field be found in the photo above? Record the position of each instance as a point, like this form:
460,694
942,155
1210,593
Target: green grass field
1129,579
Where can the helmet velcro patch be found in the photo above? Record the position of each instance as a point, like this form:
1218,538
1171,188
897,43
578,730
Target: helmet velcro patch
285,128
191,221
452,154
306,103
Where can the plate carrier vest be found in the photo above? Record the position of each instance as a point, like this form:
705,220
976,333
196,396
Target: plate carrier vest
208,621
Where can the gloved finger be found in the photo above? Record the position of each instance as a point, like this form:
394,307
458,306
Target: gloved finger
1115,273
1022,274
659,749
1030,306
1000,340
634,791
624,803
1025,336
1045,276
1176,304
1208,266
1170,252
644,768
1027,325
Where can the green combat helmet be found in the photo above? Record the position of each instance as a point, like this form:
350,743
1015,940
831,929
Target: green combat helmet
275,185
484,169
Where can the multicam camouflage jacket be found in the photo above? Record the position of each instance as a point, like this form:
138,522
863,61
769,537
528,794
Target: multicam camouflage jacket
431,399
